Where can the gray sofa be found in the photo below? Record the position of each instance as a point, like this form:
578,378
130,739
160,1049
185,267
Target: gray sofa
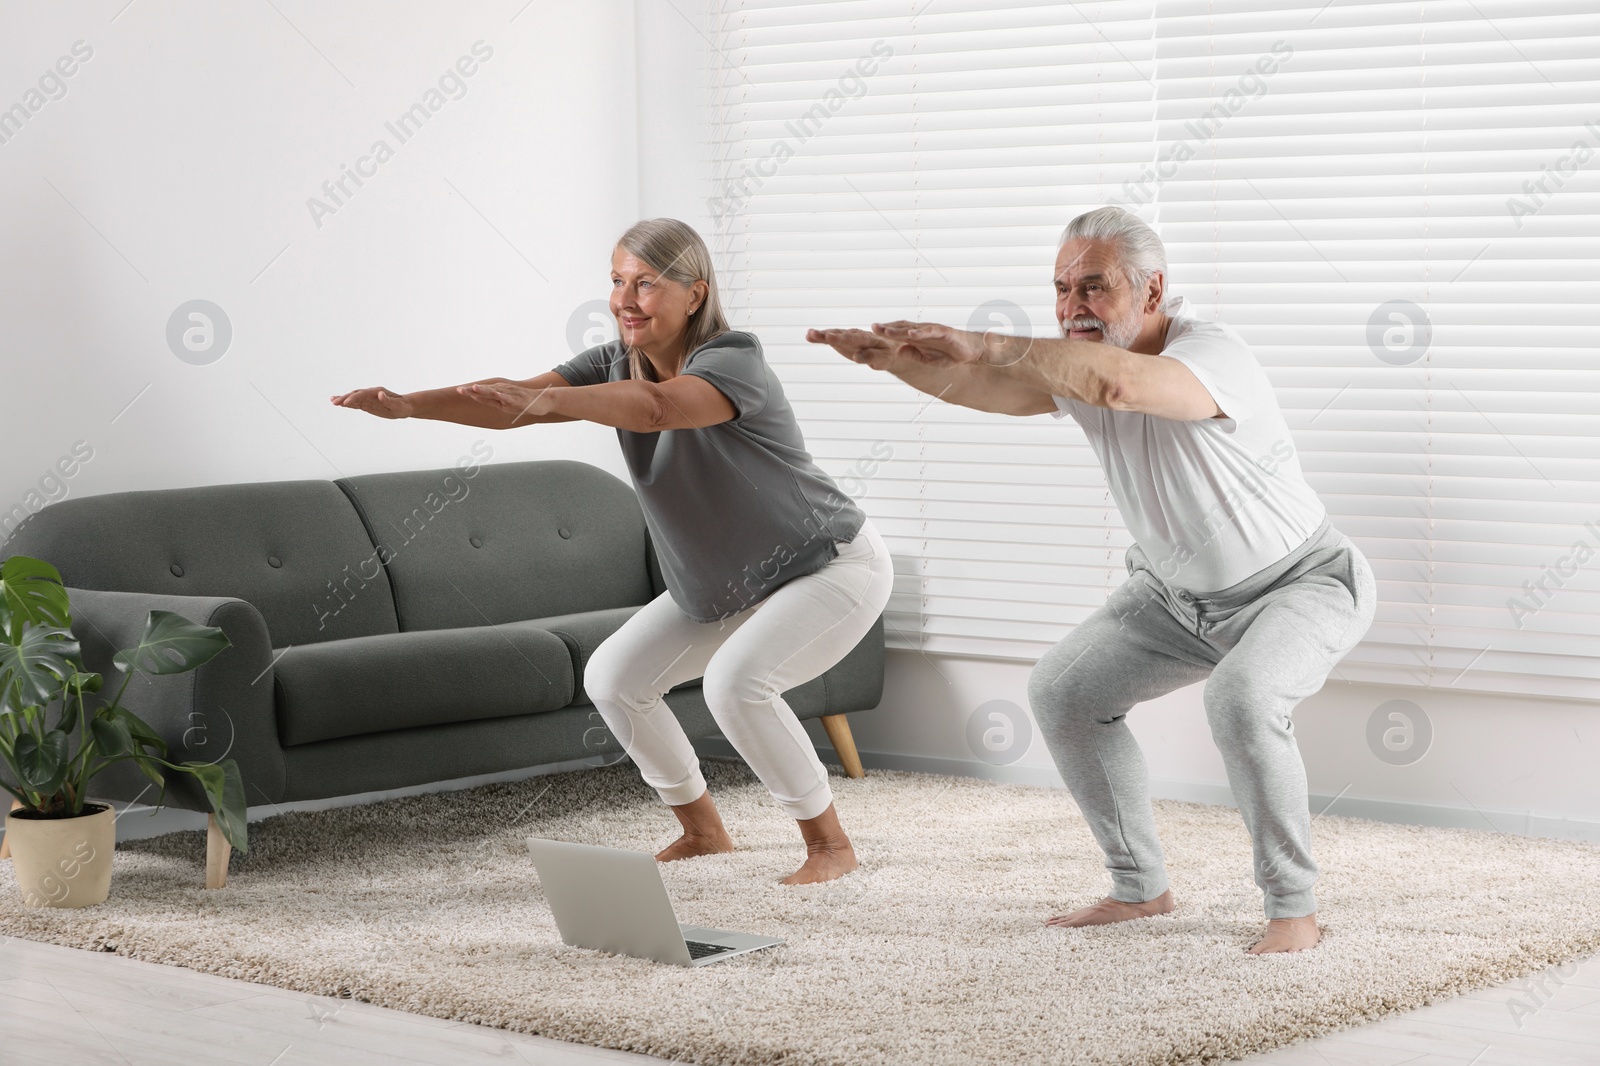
388,630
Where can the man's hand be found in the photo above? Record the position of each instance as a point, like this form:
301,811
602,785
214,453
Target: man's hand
856,345
385,403
514,400
932,344
945,363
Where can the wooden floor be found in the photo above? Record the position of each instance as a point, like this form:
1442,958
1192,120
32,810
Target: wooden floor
87,1008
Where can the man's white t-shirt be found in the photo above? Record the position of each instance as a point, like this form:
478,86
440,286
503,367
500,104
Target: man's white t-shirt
1209,502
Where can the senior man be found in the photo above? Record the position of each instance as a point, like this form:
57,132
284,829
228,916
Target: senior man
1236,574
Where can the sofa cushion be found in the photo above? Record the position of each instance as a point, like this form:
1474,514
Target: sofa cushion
582,632
294,550
401,680
510,542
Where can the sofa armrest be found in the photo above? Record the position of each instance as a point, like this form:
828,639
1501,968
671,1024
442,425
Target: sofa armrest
224,709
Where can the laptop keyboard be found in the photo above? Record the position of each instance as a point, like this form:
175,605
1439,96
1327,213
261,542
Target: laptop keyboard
699,949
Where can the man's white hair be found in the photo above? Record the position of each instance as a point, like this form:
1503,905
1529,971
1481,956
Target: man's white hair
1139,250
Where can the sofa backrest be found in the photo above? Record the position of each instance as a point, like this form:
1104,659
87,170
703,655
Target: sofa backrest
296,550
513,541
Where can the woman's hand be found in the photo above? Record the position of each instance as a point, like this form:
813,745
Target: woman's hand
385,403
514,400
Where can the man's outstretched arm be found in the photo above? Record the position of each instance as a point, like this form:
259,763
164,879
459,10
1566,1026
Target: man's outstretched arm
1090,371
969,384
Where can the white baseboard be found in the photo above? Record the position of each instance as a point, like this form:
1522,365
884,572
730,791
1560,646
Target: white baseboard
140,821
137,821
1403,812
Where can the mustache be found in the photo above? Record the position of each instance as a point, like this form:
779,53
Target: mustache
1085,323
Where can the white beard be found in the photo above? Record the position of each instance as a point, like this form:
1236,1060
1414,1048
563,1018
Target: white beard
1123,334
1117,334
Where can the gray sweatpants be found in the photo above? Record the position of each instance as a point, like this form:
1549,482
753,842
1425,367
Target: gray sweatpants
1266,643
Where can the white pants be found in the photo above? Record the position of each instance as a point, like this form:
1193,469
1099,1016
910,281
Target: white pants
748,660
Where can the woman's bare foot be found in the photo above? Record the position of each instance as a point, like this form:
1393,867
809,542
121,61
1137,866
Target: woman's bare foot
703,831
687,847
1111,910
828,851
1289,934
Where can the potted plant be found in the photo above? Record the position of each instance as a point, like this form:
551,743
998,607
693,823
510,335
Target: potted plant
52,746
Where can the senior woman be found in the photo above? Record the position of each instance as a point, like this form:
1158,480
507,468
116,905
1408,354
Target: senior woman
772,573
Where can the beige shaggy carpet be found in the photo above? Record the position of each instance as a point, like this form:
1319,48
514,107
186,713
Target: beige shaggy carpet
934,952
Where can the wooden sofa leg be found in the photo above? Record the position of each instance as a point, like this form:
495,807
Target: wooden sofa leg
5,845
218,852
843,743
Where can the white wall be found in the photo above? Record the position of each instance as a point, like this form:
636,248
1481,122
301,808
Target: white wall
178,165
674,46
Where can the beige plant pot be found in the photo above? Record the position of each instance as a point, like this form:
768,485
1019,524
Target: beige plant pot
63,862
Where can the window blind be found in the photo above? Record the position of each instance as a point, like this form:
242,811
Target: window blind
1390,202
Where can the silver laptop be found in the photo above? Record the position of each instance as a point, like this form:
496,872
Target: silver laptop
614,900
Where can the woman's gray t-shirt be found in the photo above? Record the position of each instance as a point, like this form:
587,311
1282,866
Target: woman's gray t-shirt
736,509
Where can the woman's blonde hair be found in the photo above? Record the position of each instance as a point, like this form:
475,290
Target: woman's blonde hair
675,251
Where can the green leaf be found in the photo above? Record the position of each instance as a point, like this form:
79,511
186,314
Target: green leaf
152,770
171,644
27,720
225,788
31,590
111,736
38,667
69,715
77,683
142,734
42,766
80,682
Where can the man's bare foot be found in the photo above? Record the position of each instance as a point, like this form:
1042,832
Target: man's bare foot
1289,934
828,851
703,831
687,847
1111,910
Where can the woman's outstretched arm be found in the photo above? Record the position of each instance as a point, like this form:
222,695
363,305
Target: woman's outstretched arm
450,405
685,401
